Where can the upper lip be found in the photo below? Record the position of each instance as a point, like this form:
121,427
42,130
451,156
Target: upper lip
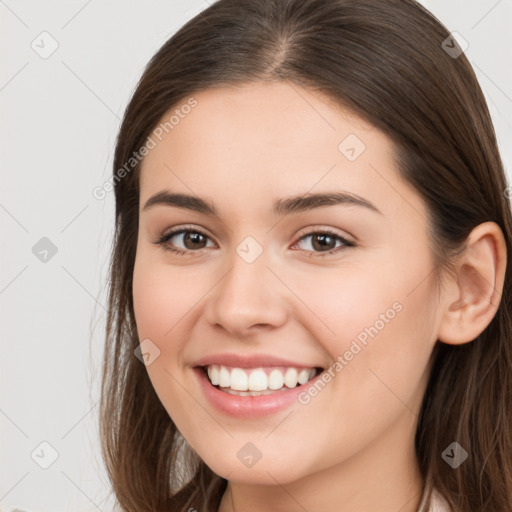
250,361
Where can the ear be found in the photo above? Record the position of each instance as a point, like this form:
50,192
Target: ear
473,295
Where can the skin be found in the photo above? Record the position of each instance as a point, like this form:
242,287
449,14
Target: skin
352,446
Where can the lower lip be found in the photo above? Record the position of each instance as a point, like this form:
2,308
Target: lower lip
249,406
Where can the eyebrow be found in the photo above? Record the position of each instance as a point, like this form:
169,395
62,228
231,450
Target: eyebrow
282,206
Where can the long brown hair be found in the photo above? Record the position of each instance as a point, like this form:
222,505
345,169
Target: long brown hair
392,63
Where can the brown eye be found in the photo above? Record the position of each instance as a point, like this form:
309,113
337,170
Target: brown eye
325,242
183,240
194,240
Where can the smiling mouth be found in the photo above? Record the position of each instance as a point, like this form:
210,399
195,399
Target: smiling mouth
258,381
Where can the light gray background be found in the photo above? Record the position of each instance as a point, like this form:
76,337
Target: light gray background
60,117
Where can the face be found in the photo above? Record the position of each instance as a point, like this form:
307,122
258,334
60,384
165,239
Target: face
340,285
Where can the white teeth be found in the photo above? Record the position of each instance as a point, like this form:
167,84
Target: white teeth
258,380
290,377
239,380
275,379
224,377
303,376
213,373
248,393
253,382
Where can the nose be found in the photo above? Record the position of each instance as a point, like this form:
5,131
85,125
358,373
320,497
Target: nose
248,298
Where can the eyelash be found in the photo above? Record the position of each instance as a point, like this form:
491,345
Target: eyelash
162,241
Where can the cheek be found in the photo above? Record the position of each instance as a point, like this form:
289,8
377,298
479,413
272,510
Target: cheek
162,298
343,302
383,342
378,322
385,295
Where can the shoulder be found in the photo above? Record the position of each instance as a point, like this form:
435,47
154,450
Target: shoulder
438,503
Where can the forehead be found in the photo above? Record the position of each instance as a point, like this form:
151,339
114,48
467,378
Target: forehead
245,141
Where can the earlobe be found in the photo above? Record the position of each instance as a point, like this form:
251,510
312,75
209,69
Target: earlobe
474,294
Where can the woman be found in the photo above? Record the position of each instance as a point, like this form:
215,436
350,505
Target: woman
310,281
